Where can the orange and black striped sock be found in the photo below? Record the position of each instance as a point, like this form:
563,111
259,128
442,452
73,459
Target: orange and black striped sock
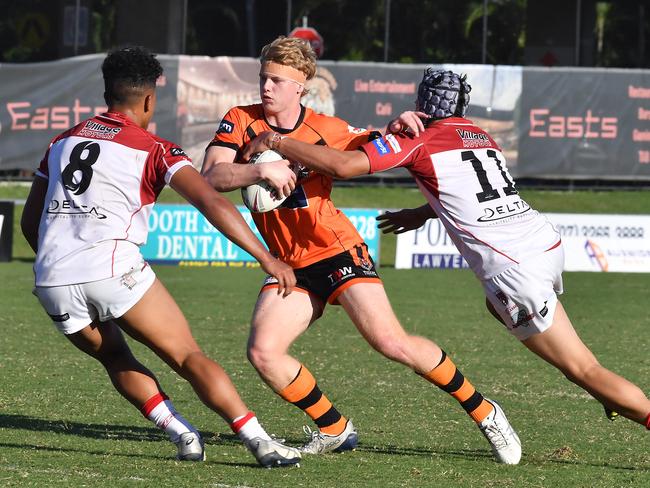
304,393
448,378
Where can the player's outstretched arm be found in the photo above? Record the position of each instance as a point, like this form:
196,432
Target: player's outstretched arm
220,172
33,210
325,160
221,213
406,219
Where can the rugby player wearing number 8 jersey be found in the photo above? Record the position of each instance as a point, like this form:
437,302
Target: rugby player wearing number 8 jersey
86,217
329,257
513,249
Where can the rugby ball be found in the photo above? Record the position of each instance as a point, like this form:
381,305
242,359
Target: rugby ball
261,197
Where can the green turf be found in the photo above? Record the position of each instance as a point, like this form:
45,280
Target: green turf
61,423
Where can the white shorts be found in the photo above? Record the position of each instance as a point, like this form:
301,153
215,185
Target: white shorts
525,295
73,307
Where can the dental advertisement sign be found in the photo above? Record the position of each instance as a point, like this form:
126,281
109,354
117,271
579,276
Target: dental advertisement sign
592,242
179,234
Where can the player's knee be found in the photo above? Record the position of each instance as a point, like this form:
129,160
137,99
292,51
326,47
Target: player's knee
187,363
262,358
580,372
113,355
394,348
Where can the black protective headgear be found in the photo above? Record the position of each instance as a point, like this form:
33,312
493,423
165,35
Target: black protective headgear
443,94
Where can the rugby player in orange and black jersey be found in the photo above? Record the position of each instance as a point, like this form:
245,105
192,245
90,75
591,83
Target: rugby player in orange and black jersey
307,228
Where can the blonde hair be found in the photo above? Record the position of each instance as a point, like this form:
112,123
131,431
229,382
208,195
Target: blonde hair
291,51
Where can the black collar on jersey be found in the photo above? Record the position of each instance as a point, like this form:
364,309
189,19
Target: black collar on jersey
287,131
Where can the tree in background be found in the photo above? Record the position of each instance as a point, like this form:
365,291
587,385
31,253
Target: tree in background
421,31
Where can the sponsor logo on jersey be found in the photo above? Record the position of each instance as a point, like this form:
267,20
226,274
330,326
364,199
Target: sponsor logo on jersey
380,145
543,312
59,318
225,127
473,139
355,130
504,211
393,143
71,209
177,151
341,274
365,265
297,199
522,319
128,280
99,131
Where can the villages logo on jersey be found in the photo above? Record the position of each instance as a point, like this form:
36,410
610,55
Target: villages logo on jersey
99,131
387,144
473,139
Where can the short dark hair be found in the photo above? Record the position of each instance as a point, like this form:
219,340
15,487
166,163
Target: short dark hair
128,73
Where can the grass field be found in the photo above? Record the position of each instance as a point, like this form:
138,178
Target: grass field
61,424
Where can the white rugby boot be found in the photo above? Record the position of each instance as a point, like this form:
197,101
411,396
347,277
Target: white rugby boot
505,443
320,443
190,447
272,453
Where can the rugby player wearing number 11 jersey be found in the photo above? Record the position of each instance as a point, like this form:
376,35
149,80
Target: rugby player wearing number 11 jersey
513,250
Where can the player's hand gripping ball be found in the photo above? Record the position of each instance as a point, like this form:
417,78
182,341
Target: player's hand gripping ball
261,197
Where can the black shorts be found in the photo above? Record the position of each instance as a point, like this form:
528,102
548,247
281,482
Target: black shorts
328,278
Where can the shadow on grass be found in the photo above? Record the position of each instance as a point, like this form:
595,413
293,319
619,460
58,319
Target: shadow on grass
95,431
110,432
130,455
135,433
485,454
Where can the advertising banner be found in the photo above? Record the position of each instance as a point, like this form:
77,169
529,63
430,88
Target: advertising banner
38,101
568,123
615,243
607,243
180,234
427,247
578,123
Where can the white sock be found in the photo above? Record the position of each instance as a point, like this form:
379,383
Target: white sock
247,427
166,418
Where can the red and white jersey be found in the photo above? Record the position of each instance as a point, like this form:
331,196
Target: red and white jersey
462,173
104,176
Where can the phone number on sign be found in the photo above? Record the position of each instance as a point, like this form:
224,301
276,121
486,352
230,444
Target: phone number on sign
624,232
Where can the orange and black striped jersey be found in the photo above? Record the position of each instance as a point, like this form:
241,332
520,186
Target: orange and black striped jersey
307,227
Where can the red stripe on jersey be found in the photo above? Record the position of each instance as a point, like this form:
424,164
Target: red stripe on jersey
113,259
554,245
126,231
